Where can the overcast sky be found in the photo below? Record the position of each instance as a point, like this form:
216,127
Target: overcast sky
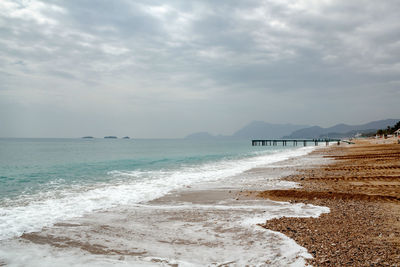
171,68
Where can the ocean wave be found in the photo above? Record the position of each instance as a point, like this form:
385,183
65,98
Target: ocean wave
127,187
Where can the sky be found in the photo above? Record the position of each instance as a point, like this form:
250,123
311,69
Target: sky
165,69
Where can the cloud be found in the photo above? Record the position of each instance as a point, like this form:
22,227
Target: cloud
29,10
216,60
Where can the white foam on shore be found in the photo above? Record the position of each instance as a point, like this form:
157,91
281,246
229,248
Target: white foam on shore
174,232
34,212
184,234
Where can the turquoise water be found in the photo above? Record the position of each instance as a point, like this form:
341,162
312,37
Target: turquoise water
73,194
43,181
30,165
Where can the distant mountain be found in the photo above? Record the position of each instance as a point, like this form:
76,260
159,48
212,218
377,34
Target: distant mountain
264,130
200,136
341,130
310,132
254,130
260,129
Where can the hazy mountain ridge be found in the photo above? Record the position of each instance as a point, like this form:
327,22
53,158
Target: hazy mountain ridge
260,129
204,136
341,130
264,130
253,130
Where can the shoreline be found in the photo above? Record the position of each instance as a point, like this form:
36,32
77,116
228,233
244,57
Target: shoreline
238,221
209,223
361,186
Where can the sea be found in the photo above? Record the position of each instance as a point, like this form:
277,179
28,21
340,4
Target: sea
144,202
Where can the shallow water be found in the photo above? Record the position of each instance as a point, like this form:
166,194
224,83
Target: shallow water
141,202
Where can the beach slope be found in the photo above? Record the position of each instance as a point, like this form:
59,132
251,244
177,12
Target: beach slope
362,189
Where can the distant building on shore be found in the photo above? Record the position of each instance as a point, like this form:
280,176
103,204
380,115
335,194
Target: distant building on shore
397,133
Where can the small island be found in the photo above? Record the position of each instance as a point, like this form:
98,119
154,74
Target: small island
126,137
88,137
110,137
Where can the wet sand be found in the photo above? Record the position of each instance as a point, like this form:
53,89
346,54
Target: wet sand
361,186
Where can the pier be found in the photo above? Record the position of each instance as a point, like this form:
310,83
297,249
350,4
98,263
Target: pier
295,142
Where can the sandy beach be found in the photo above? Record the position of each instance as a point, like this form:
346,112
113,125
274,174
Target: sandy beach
361,186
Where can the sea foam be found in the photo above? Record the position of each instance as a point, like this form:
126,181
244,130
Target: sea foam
31,213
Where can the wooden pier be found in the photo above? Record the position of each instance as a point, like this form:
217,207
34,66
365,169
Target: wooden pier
284,142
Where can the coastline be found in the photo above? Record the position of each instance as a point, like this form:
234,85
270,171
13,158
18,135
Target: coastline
324,220
361,186
208,223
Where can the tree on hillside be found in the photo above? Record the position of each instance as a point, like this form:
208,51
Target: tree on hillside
389,130
396,126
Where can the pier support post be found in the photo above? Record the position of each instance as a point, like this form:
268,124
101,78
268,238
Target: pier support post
275,142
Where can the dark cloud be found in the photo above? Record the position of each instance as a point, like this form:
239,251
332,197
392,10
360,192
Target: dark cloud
194,64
